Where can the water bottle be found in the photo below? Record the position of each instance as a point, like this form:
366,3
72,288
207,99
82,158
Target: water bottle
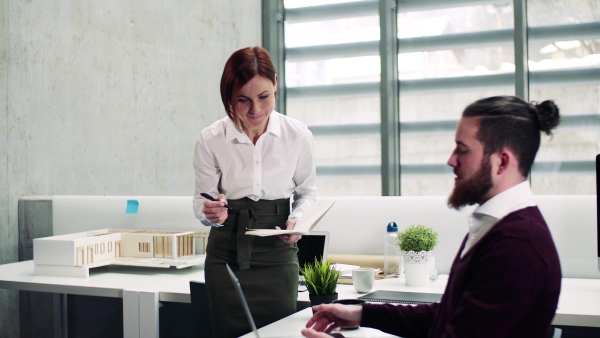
391,252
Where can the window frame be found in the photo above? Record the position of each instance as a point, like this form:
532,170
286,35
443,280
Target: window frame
390,128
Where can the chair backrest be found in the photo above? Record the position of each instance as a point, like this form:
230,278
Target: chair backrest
201,309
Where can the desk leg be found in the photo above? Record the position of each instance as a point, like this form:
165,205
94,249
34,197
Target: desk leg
61,328
131,314
149,314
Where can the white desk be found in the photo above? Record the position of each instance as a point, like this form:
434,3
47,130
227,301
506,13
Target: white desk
291,326
395,284
142,290
578,305
297,321
130,284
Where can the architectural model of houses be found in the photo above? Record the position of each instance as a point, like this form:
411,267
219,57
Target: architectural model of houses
74,254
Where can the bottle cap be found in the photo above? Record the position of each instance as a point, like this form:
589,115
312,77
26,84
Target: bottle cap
392,227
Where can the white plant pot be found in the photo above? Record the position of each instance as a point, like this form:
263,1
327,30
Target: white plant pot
417,267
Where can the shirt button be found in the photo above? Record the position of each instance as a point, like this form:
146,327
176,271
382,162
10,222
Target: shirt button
256,162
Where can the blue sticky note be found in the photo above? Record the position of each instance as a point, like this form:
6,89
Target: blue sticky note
132,207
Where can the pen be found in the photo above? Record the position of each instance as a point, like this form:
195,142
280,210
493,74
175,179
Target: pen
209,197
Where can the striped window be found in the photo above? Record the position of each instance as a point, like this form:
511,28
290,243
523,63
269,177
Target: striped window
382,84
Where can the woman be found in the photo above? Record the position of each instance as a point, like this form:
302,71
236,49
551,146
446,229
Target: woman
256,162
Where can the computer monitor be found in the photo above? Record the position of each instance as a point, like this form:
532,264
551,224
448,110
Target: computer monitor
598,207
311,246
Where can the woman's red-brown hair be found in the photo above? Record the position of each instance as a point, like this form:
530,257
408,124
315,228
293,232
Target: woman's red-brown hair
239,69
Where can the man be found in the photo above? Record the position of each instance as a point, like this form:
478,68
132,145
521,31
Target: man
505,279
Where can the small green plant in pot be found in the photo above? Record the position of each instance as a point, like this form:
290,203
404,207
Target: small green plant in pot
416,243
417,238
321,279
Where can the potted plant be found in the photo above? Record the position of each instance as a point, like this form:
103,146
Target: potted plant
416,243
321,279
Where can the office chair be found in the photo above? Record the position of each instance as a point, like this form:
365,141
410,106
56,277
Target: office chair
201,310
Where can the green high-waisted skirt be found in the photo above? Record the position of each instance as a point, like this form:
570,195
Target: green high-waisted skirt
266,267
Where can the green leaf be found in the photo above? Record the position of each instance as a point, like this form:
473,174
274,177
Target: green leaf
417,237
320,277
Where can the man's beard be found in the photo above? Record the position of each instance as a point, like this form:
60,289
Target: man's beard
474,189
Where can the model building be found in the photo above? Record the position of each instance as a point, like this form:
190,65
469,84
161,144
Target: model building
74,254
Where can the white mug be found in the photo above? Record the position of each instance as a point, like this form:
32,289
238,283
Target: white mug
363,279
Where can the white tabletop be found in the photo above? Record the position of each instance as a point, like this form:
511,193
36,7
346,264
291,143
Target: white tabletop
294,323
579,305
579,302
179,291
290,327
107,281
137,286
393,284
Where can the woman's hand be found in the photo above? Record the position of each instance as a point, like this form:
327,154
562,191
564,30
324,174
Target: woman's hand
216,211
289,225
331,316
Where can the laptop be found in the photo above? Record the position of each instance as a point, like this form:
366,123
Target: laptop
312,245
242,298
400,297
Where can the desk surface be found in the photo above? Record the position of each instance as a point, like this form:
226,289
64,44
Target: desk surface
106,281
292,325
579,302
578,305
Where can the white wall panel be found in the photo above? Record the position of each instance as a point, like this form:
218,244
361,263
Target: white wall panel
106,98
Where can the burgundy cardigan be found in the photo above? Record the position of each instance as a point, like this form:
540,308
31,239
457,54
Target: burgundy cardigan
506,285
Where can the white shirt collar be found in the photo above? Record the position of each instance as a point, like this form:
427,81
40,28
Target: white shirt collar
512,199
273,127
489,213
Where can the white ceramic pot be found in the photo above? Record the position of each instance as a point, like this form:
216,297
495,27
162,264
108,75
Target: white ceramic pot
417,267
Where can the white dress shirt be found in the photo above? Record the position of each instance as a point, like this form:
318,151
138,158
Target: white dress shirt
280,165
493,210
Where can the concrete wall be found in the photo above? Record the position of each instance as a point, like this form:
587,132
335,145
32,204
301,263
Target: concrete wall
8,236
106,98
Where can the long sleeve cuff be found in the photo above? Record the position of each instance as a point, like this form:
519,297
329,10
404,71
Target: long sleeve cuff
210,224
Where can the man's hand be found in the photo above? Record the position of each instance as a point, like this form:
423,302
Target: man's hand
310,333
331,316
216,211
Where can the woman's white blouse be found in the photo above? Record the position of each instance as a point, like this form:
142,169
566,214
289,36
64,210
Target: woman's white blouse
281,164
